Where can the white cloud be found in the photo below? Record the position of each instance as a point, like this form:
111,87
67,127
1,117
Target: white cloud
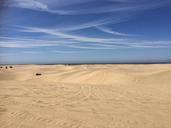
50,6
109,31
29,4
67,7
69,36
92,42
8,42
64,3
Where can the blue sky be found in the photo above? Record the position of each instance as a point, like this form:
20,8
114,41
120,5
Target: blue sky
85,31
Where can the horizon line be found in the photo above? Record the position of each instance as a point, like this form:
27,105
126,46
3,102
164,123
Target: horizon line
91,63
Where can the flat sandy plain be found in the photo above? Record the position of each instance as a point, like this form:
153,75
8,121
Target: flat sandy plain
85,96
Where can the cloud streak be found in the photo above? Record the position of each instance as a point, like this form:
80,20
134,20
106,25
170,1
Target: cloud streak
68,36
109,31
28,4
77,42
68,7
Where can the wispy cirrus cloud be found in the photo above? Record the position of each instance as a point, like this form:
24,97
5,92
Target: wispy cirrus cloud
68,7
94,23
44,5
70,40
109,31
126,7
77,41
14,43
68,36
28,4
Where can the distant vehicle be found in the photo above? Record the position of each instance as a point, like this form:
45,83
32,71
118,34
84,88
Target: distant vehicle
38,74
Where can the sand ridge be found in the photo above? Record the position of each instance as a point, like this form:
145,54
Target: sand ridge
86,96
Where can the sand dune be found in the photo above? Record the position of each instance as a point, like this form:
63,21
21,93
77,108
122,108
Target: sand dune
85,96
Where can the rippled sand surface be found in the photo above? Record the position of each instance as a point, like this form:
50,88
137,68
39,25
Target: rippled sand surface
85,96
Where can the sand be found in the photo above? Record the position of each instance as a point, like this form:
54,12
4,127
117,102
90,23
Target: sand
85,96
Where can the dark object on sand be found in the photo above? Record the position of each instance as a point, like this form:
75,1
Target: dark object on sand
6,67
10,67
1,67
38,74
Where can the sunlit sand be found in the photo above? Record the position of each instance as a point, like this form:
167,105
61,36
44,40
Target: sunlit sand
85,96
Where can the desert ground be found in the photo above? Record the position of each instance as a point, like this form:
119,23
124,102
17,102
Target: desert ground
85,96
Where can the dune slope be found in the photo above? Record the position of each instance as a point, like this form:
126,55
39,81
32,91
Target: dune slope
85,96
